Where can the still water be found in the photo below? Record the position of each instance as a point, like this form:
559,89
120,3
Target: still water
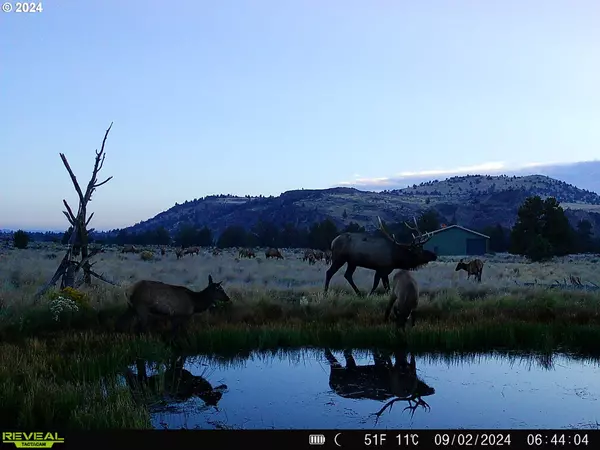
364,389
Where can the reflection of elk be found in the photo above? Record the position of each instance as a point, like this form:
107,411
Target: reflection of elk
129,249
192,251
380,381
273,253
247,253
148,298
382,254
405,297
175,384
474,268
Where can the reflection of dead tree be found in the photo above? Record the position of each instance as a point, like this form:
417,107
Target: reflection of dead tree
78,240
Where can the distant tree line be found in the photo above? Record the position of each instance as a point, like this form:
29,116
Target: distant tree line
541,231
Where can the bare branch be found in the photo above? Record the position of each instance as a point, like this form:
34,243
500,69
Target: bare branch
104,182
72,219
88,221
69,218
72,175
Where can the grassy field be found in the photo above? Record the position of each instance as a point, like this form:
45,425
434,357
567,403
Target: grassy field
62,368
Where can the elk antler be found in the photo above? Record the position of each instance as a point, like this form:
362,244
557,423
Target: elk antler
421,238
385,232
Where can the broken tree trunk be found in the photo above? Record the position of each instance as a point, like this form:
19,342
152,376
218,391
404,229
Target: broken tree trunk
78,240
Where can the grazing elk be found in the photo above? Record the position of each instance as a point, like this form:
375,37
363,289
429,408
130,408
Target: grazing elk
382,254
474,268
311,260
380,381
154,299
307,255
405,297
246,253
319,255
179,253
192,251
273,253
174,384
129,249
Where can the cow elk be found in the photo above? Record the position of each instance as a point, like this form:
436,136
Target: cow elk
382,254
129,249
246,253
192,251
404,298
179,253
273,253
153,299
474,268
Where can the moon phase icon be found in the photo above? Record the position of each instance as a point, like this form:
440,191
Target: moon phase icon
335,439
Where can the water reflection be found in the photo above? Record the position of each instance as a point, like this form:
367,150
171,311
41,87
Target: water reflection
324,388
171,386
382,380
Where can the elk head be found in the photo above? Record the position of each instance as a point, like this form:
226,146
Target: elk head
418,255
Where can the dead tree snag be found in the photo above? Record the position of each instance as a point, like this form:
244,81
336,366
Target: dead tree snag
78,240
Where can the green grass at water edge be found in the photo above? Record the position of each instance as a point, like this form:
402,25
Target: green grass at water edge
70,380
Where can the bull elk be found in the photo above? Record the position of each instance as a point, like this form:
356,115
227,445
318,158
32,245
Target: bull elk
382,254
381,381
273,253
474,268
405,297
148,298
174,384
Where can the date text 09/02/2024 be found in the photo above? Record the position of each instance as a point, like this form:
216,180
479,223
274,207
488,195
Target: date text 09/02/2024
508,438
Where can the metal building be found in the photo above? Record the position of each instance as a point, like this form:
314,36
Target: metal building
457,240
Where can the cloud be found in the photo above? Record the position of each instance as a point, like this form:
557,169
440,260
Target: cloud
403,179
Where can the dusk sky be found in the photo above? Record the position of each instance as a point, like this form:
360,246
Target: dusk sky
260,97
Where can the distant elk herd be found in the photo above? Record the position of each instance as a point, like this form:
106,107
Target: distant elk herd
381,253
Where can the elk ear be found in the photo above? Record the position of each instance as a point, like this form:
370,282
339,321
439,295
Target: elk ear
210,280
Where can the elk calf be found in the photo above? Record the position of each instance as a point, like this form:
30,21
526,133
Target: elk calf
474,268
148,298
405,297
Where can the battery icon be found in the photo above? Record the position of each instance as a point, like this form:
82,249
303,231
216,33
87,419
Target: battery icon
316,439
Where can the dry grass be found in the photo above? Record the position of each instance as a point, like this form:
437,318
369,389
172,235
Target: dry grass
24,271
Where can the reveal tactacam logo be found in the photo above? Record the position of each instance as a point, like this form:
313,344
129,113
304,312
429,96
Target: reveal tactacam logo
34,439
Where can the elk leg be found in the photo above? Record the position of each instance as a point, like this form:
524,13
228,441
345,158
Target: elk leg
350,362
390,305
335,266
386,282
348,276
376,279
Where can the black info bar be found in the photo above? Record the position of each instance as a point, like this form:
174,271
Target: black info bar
304,439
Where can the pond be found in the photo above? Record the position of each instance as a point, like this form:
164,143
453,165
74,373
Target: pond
324,389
